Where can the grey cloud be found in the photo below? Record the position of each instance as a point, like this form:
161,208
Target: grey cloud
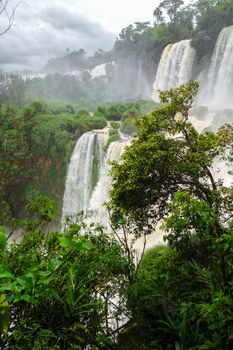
40,35
62,18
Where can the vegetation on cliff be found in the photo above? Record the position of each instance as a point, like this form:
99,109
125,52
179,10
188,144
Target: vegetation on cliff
35,147
36,144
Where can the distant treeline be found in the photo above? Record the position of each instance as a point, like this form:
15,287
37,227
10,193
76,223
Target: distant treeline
136,54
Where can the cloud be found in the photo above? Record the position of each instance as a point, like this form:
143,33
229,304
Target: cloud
41,32
61,18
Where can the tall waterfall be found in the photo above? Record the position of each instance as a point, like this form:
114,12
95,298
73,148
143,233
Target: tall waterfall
83,173
100,194
175,67
139,79
220,75
88,180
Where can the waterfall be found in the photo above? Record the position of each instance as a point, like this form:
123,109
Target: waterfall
220,75
88,180
175,67
83,173
139,79
100,194
98,71
88,193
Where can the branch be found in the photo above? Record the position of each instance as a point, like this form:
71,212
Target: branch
142,255
10,18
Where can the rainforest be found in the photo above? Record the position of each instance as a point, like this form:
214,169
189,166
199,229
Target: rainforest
116,176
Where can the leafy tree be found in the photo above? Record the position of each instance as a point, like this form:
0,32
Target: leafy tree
61,287
179,299
181,292
168,155
128,126
170,7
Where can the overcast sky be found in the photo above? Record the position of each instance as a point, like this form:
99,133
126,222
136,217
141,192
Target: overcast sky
45,28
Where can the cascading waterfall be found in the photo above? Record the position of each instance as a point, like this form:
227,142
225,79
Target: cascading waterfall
139,79
98,71
83,173
175,67
100,194
220,75
83,192
88,180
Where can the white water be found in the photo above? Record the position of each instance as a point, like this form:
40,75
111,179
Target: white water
220,169
220,75
202,124
175,67
100,194
98,71
79,182
26,77
139,79
80,194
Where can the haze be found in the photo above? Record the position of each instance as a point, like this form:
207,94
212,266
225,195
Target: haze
46,28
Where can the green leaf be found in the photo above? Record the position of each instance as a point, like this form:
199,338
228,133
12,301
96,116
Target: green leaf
178,347
45,281
65,242
6,274
27,279
4,315
87,245
81,326
26,297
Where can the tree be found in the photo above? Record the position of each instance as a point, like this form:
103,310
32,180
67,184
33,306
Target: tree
61,288
170,7
181,296
167,156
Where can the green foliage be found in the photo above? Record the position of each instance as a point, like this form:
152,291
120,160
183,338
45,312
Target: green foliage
181,295
35,147
60,287
219,14
86,123
113,135
188,215
115,125
158,163
4,316
2,240
119,111
82,112
62,106
128,126
95,166
34,109
51,135
42,208
179,303
111,112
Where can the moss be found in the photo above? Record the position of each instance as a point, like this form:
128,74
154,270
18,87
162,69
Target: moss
113,136
95,165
